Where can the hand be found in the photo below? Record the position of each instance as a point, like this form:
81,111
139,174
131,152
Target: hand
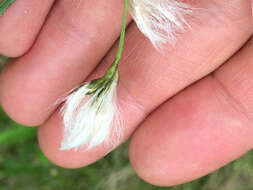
188,110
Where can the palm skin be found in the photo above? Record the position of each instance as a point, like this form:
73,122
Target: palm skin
188,111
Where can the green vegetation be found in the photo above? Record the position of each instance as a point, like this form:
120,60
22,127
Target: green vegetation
24,167
5,4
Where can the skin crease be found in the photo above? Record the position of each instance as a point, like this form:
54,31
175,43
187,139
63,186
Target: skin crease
214,128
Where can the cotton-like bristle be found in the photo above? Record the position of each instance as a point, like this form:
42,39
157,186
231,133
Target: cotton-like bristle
88,119
160,20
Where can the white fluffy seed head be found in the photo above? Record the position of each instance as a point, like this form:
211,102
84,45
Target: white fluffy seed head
160,20
87,119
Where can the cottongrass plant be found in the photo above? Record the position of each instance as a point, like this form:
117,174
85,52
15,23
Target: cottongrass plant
89,111
160,20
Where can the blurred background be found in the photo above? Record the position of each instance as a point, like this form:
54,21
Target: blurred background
24,167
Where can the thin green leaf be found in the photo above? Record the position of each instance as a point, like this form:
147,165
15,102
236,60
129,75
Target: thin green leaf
16,135
3,59
5,5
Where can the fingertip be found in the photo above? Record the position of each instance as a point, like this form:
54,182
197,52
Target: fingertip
189,136
17,98
14,49
149,169
17,112
25,120
50,136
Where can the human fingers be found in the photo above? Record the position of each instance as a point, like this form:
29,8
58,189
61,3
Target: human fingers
148,78
76,36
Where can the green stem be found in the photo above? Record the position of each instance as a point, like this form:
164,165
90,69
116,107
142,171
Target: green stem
123,31
5,5
114,67
112,73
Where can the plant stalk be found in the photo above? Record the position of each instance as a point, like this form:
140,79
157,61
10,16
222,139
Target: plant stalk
114,67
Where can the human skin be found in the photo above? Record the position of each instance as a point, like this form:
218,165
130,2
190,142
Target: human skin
188,110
